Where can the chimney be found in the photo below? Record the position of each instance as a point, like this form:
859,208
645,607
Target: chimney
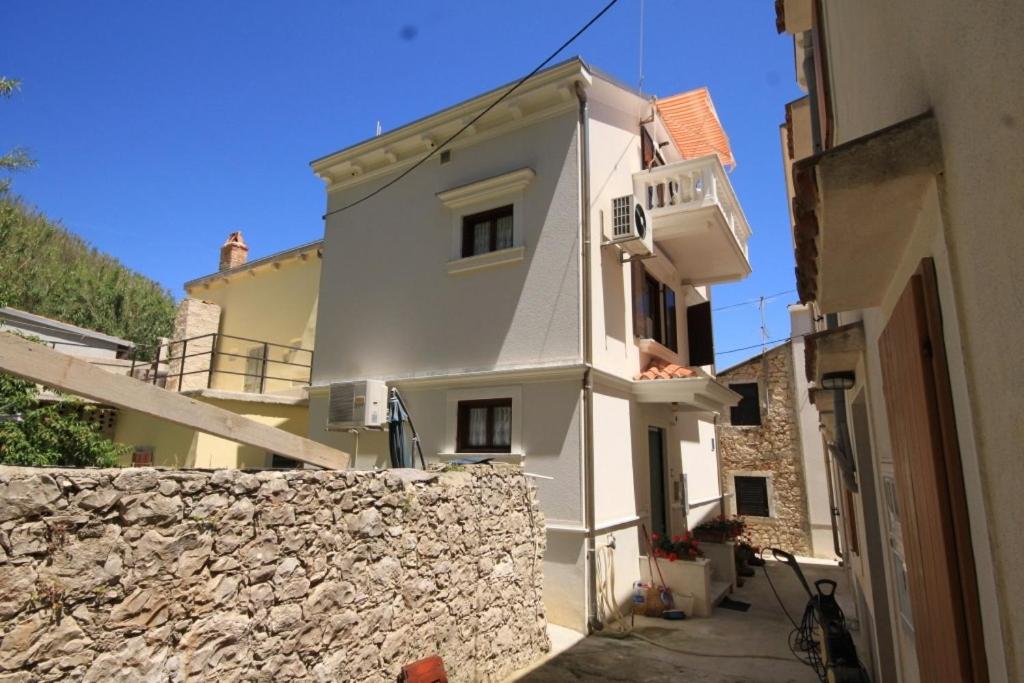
234,253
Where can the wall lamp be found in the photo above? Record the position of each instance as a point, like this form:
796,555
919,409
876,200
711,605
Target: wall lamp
837,381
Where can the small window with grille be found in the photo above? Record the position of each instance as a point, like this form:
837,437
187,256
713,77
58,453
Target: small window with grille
622,214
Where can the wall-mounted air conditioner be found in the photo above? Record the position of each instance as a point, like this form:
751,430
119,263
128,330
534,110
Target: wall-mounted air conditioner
353,405
628,227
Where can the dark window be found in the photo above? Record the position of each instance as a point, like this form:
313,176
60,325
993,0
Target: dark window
752,496
654,310
485,426
487,231
280,462
699,335
748,411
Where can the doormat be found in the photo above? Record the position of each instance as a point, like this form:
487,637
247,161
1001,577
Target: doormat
738,605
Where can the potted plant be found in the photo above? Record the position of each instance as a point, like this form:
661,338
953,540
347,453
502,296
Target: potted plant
683,547
720,529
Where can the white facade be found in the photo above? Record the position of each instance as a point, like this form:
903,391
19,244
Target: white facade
399,302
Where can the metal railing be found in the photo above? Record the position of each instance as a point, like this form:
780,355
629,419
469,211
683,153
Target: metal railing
217,361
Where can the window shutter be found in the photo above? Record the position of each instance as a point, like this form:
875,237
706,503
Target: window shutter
698,331
752,496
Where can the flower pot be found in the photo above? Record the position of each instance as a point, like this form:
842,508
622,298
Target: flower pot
685,577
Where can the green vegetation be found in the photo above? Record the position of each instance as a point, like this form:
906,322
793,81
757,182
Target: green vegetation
18,158
49,271
50,434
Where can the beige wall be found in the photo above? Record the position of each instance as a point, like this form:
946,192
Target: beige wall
274,304
176,446
389,306
891,61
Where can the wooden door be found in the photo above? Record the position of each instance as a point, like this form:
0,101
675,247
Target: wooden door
929,483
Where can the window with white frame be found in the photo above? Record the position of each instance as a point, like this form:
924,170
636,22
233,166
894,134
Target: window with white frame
485,426
487,231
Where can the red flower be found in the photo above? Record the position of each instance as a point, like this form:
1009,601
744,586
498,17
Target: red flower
687,536
655,536
676,539
672,557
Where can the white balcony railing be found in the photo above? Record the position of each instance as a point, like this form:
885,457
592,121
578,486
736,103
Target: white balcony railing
690,186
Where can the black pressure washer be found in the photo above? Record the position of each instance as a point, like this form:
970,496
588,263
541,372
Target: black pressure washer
821,640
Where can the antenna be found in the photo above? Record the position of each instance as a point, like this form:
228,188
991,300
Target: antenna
378,129
641,88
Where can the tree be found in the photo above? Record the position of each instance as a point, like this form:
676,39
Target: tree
18,158
50,434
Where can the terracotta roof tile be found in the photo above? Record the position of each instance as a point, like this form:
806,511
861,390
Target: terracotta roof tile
659,369
694,126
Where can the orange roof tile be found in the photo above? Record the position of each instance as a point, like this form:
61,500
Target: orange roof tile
659,369
694,126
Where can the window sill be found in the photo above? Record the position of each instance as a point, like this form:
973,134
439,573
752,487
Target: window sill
659,350
471,264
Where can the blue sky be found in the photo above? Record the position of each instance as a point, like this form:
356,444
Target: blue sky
160,127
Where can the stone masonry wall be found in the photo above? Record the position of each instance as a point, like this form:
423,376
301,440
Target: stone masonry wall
150,575
773,447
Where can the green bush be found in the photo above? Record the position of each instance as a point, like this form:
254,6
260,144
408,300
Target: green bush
50,434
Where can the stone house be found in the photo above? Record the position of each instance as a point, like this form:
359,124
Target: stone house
771,454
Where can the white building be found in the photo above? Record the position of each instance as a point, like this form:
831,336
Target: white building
487,286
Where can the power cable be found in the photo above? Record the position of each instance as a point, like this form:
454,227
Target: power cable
478,116
758,346
750,302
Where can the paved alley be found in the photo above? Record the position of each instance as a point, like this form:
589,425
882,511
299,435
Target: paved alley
729,646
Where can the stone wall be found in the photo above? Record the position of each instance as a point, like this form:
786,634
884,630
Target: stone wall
772,448
142,574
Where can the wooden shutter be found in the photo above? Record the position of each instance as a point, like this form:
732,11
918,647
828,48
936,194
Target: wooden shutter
929,484
698,332
646,148
752,496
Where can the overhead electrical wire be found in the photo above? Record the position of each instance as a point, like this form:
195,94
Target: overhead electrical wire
476,118
752,302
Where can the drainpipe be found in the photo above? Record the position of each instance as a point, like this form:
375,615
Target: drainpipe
593,623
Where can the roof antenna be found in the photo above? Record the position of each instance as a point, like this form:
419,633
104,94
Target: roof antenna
641,88
378,129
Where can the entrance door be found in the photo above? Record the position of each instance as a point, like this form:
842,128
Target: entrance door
929,486
656,450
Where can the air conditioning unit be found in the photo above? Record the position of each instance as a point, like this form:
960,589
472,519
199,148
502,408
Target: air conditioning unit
353,405
629,227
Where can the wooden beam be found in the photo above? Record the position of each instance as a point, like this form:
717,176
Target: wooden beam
37,363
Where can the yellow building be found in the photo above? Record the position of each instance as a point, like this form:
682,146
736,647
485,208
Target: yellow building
243,341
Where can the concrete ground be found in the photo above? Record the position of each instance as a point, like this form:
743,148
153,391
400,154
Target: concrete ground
729,646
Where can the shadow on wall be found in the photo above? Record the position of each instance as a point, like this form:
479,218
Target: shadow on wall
410,314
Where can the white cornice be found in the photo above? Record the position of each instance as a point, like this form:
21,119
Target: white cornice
539,98
485,190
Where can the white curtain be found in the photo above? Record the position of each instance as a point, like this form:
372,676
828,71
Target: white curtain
477,427
504,237
502,425
481,238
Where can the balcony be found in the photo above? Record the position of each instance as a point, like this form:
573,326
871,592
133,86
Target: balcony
696,219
